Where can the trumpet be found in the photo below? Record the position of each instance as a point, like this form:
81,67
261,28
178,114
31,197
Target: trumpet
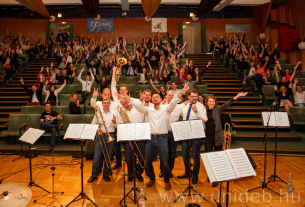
125,118
121,61
227,137
101,123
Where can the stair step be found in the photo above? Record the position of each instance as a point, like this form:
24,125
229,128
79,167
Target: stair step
218,77
12,93
247,108
257,134
10,109
7,114
224,84
13,103
227,92
242,103
220,89
260,128
231,81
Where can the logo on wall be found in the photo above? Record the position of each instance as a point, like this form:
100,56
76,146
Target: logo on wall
159,24
101,25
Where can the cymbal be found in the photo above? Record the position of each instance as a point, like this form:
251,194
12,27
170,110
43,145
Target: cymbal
14,194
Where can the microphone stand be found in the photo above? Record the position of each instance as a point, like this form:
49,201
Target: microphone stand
264,184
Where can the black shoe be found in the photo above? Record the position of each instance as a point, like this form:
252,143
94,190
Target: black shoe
140,178
91,179
214,184
185,175
195,180
161,175
116,167
171,175
51,148
110,172
130,178
106,178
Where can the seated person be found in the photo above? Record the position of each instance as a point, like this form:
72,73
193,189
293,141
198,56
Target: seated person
269,78
298,94
74,104
52,93
190,82
258,79
284,81
64,77
48,122
283,95
35,95
86,85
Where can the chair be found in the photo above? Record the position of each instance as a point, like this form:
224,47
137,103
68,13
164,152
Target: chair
87,118
202,89
130,79
268,93
15,126
297,115
143,88
64,99
132,88
32,109
61,109
70,119
72,88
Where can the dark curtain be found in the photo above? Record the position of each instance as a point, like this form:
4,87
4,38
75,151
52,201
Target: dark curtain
92,7
204,46
297,9
261,14
288,39
180,29
206,6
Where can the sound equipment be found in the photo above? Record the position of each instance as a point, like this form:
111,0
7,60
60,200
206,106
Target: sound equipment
251,161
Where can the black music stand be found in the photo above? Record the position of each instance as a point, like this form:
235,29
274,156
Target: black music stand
264,183
82,194
134,188
30,137
190,187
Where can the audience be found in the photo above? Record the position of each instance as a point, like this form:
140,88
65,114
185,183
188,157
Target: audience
283,95
86,85
52,93
74,104
298,94
35,94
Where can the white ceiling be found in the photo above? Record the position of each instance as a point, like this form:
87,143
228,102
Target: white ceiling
74,2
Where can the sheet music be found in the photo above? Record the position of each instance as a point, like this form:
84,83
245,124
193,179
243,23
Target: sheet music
184,128
175,130
282,119
126,132
197,129
89,131
265,116
221,166
74,131
31,135
240,162
142,131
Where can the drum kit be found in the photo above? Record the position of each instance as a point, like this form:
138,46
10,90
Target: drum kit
14,195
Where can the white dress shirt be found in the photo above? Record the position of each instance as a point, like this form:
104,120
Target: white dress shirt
108,117
177,91
201,112
146,119
86,85
134,115
158,119
174,116
34,98
113,108
112,50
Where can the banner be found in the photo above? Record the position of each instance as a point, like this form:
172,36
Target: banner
158,25
99,26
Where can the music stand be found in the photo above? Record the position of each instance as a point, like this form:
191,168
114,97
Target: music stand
264,183
91,136
21,152
30,137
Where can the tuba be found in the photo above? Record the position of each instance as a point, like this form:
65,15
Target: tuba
101,123
121,61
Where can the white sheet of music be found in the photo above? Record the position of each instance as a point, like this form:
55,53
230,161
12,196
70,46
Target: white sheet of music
184,128
74,131
89,131
282,119
265,116
240,162
31,135
175,130
142,131
197,129
221,166
126,132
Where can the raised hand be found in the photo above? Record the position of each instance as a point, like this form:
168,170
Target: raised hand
275,87
52,64
21,80
185,87
95,92
194,108
47,69
243,94
47,82
42,68
82,70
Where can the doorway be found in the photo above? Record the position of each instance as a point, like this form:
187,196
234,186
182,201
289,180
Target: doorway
57,26
192,32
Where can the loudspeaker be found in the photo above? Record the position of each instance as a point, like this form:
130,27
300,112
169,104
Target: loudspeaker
125,5
251,161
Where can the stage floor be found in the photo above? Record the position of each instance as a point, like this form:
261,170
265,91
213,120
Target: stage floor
67,179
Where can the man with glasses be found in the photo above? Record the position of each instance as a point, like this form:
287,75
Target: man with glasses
192,110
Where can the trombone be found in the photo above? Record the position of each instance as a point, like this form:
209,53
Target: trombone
125,118
227,137
101,123
121,61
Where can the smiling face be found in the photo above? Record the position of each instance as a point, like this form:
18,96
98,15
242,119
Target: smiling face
156,99
211,103
193,97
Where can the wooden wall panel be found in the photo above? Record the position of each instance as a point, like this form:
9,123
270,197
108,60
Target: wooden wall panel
303,60
273,15
132,28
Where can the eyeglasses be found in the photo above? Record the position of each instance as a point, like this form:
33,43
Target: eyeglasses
193,96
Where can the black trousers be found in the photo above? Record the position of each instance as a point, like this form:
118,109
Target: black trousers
210,145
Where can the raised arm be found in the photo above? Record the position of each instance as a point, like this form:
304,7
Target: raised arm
154,87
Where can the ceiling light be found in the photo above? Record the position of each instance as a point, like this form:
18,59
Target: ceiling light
187,22
183,26
63,22
191,14
59,15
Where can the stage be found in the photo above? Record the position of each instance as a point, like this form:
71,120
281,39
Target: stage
67,179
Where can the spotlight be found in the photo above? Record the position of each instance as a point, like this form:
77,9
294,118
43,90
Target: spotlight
191,14
63,22
59,15
124,14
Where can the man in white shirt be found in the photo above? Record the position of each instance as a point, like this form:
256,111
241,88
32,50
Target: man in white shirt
86,85
172,145
112,49
99,156
192,110
298,94
174,88
135,116
250,72
158,119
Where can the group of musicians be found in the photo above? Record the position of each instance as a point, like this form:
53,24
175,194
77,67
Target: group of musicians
159,114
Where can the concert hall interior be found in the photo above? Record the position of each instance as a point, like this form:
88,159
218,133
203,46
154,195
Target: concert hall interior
152,103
